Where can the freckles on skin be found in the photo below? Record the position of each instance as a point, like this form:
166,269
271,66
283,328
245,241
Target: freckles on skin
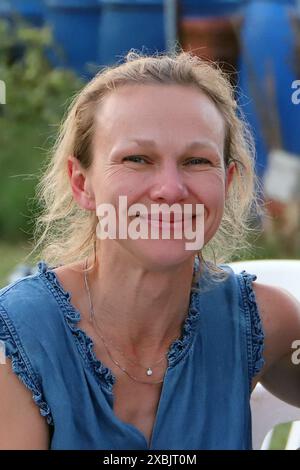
168,170
170,116
175,112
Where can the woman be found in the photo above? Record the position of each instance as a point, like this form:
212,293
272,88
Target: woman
138,343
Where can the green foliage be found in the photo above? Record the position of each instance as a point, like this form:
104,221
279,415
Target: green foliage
11,256
36,98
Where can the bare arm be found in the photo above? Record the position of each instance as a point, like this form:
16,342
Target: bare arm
280,313
21,424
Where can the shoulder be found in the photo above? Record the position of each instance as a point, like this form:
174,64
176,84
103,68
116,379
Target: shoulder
23,407
32,308
20,287
280,315
30,295
18,298
21,424
272,328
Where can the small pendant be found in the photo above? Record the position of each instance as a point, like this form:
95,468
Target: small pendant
149,371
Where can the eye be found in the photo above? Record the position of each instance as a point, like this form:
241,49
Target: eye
135,159
198,161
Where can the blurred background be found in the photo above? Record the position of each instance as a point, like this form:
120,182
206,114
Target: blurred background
50,48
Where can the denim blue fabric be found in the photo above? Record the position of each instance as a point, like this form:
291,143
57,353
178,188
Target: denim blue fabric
204,402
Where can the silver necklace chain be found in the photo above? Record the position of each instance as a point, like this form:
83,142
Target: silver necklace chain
149,370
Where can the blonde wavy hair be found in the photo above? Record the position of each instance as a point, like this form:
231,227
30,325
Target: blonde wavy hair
65,232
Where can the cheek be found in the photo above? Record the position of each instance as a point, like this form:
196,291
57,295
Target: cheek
210,189
216,198
212,195
109,188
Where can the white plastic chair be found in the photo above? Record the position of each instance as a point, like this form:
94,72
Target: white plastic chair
268,410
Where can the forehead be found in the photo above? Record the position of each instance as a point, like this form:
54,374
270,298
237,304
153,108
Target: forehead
164,113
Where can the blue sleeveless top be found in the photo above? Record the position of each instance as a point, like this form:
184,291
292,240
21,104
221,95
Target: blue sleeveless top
204,402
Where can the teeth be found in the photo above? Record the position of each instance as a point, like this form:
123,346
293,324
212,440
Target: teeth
161,217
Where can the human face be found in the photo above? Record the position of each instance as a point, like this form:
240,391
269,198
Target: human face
159,144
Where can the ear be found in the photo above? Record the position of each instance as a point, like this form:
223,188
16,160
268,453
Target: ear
80,184
230,171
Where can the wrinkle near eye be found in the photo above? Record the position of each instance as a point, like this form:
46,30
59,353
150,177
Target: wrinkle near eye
113,170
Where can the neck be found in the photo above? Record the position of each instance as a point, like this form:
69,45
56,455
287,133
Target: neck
141,310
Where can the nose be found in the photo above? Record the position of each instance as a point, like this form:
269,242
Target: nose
169,185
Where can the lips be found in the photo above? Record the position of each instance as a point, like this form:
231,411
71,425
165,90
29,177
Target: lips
168,218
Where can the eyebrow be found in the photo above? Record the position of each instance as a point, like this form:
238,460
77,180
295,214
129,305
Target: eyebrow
191,146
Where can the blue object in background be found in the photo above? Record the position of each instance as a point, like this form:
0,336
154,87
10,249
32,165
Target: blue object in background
249,109
127,24
5,10
75,26
191,8
31,10
267,70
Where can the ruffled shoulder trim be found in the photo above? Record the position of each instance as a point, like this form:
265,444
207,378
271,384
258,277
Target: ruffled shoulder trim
72,316
180,346
21,365
254,328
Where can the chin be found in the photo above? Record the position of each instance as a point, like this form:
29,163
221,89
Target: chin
158,255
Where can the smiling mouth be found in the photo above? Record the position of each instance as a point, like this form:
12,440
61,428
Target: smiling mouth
160,218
